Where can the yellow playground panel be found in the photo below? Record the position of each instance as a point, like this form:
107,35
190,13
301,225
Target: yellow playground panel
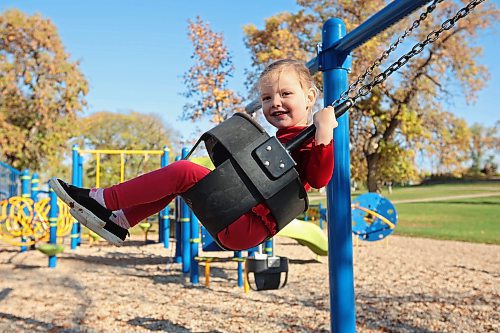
23,219
122,153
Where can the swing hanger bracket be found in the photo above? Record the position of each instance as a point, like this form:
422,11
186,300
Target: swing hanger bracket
332,59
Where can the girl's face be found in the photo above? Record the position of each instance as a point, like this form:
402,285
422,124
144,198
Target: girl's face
284,102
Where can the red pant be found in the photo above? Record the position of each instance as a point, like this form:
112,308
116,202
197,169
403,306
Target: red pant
148,194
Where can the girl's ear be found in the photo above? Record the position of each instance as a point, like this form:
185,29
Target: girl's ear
311,96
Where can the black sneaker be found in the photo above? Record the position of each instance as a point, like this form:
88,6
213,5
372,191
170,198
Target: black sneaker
79,199
111,231
89,212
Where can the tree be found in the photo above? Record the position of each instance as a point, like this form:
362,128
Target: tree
483,139
41,91
206,81
116,131
450,143
406,111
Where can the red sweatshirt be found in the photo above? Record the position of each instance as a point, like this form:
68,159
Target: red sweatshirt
314,162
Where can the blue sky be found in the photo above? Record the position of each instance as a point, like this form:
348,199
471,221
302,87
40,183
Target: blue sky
134,53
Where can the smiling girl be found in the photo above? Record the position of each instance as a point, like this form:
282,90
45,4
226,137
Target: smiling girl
288,95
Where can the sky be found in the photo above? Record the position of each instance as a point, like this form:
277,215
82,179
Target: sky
134,53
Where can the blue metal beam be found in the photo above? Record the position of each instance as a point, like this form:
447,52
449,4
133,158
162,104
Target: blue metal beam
390,15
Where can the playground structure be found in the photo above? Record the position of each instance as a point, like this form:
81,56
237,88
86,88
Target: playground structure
334,60
77,180
374,217
26,221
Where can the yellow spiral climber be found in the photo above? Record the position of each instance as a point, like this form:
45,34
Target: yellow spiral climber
22,217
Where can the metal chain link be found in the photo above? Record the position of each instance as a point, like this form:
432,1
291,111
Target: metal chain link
416,49
387,52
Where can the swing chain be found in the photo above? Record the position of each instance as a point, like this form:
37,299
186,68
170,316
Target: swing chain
387,52
417,48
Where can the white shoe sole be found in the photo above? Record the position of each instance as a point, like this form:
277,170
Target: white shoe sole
92,224
63,195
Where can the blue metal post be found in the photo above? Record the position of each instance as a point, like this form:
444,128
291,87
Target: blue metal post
53,212
80,171
320,209
342,302
268,247
80,184
251,252
164,222
185,229
35,187
195,245
25,193
238,254
13,183
75,179
178,238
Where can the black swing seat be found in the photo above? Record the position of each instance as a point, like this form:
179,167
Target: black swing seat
251,167
267,273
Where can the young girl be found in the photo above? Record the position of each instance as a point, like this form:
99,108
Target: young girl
288,95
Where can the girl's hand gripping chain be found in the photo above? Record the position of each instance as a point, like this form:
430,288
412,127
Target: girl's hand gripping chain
325,121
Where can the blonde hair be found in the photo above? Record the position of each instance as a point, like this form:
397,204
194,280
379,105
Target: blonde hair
305,78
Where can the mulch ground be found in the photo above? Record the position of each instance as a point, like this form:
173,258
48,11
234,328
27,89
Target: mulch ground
407,285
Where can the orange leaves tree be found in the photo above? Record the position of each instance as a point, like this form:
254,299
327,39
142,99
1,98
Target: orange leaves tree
407,113
207,79
41,91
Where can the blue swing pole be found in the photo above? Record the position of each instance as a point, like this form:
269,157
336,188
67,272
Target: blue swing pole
26,193
53,213
178,239
35,187
335,68
334,61
195,240
164,222
75,179
185,227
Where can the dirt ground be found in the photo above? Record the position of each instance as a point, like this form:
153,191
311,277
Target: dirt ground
407,285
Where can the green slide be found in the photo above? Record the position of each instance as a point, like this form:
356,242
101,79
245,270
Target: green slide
307,234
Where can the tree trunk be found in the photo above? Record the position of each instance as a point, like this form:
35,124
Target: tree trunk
371,177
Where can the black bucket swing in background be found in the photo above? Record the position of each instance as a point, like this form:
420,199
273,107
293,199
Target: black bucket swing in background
251,168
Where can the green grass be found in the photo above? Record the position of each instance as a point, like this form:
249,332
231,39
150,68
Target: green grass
441,190
471,220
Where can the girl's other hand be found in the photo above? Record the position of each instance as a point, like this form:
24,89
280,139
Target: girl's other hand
325,118
325,121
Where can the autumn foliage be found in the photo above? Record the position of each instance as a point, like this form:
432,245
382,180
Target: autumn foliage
41,90
207,79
